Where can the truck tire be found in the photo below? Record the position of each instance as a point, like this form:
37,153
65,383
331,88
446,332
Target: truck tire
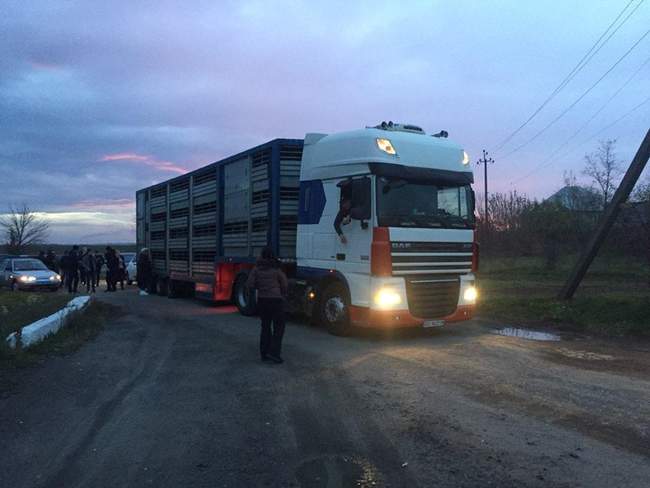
244,300
334,310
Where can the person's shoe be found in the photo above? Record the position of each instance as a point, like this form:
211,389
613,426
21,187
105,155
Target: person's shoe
275,359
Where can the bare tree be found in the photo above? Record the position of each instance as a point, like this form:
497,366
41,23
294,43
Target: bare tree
603,168
22,227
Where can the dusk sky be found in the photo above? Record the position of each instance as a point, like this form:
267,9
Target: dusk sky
99,99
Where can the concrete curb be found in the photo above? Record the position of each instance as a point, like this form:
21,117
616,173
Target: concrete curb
39,330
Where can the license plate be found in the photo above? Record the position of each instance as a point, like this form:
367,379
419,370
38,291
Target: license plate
433,323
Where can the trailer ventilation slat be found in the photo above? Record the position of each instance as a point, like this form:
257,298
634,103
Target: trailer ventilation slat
178,233
204,230
290,153
208,176
159,191
235,227
180,185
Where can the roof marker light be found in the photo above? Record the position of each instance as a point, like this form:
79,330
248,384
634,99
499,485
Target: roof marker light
386,146
465,158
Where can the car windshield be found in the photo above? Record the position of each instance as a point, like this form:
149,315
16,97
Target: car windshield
402,203
28,265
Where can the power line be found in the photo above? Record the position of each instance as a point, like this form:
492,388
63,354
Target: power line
593,136
577,100
576,69
580,129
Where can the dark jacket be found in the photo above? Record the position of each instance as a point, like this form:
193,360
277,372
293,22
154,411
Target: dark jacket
143,269
268,279
73,261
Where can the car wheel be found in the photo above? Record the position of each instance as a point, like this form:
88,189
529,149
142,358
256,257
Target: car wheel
243,298
335,309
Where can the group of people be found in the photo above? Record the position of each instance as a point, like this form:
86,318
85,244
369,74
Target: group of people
83,266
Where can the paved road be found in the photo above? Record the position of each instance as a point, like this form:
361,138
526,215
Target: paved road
172,394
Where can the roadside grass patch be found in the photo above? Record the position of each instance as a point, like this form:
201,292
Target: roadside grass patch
614,298
83,325
21,308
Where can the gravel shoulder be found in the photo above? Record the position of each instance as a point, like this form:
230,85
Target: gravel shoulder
172,394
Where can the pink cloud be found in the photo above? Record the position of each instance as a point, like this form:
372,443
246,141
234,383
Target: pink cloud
145,160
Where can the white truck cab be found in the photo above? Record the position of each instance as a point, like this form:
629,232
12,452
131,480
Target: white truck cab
407,254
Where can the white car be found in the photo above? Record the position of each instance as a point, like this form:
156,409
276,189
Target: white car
27,274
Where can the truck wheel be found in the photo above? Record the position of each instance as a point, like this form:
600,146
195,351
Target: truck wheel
335,309
244,300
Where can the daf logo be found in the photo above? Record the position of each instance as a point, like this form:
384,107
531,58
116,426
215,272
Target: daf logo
401,245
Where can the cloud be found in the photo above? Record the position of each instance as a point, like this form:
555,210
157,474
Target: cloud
99,99
146,160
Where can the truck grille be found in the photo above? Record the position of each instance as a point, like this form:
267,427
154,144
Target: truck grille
432,297
416,258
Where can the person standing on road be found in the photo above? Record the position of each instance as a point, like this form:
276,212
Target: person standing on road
88,261
143,275
112,266
271,285
72,275
99,262
121,269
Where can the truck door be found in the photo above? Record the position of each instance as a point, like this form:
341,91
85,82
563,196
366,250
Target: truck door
353,256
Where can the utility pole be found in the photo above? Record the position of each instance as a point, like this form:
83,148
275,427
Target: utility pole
485,161
608,219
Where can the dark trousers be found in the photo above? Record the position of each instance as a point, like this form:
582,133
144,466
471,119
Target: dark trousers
90,281
271,311
111,279
72,280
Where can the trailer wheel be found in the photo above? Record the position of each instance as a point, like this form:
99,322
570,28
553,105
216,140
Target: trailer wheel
335,309
243,298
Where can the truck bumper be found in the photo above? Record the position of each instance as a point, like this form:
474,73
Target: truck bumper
366,317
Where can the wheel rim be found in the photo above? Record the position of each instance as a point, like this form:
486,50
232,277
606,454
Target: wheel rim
335,309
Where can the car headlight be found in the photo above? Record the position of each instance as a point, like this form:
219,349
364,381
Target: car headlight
471,294
387,298
386,146
27,279
55,278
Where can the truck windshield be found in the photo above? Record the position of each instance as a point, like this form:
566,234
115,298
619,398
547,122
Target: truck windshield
402,203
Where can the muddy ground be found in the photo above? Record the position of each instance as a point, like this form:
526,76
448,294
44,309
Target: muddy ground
172,393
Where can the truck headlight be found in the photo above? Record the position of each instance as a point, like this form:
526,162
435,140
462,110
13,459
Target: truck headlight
387,298
471,294
386,146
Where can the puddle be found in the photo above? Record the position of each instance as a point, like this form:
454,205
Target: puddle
338,471
526,334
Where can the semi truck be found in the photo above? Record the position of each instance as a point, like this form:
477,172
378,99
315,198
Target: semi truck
402,252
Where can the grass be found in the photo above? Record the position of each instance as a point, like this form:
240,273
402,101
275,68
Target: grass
83,326
614,298
21,308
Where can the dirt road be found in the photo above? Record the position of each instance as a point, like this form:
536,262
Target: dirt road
172,394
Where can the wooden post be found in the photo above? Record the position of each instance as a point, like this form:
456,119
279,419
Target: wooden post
609,217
